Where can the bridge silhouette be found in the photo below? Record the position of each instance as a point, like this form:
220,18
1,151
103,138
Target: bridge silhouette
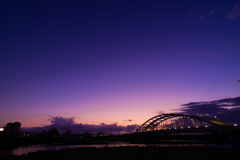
182,123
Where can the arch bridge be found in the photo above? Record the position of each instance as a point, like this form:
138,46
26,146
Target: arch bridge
179,121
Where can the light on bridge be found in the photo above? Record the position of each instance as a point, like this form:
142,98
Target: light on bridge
180,121
235,124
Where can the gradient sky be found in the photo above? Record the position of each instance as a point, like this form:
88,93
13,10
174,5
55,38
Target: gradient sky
115,61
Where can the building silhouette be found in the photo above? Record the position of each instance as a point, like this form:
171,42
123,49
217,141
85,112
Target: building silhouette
13,127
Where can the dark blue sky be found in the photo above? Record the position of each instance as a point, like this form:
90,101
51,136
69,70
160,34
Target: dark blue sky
110,61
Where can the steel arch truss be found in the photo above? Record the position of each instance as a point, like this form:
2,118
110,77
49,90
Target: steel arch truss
178,121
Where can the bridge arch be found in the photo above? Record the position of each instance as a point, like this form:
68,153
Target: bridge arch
178,121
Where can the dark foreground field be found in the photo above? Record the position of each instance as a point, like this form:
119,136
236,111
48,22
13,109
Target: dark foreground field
124,153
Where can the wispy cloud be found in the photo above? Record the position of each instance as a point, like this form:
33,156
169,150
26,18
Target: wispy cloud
223,44
199,53
129,120
201,18
239,80
235,12
161,112
212,12
227,109
215,55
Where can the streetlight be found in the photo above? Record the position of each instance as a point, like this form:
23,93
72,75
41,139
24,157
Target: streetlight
217,118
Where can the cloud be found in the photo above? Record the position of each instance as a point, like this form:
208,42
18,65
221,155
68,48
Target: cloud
235,12
227,109
62,124
160,112
199,53
129,120
239,80
223,44
61,121
201,18
236,47
215,55
212,12
163,112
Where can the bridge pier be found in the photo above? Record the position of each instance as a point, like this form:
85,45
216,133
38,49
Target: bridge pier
201,124
187,121
193,123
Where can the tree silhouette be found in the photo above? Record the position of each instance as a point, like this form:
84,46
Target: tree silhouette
53,132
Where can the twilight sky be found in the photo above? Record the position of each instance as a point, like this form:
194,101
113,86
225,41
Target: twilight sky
106,62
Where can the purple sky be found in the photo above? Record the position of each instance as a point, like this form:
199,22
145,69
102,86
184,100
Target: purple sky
114,61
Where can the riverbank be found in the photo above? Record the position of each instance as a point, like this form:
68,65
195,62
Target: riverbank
125,153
